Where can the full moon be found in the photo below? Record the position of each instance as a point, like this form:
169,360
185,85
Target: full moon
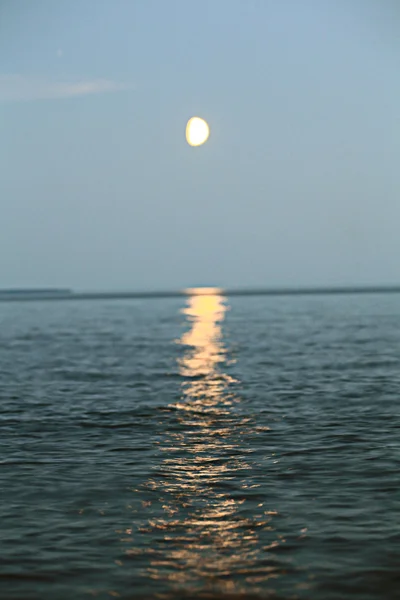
197,131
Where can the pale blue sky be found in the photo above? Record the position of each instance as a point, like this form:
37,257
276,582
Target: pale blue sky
299,183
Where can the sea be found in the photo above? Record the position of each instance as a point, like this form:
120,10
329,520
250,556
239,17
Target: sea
200,447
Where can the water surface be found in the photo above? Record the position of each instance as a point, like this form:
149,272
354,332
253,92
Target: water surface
212,447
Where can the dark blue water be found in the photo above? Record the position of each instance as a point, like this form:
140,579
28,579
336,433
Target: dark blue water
219,448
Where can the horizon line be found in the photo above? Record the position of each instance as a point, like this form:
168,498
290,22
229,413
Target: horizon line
31,294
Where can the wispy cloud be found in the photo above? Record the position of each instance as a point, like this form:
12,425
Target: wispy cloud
20,87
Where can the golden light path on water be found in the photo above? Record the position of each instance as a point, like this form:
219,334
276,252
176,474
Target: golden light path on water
208,539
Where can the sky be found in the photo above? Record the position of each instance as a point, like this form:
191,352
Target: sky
298,184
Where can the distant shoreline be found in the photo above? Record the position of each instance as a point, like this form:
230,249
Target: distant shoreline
30,295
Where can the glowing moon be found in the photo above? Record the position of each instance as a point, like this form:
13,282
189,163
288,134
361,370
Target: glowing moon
197,131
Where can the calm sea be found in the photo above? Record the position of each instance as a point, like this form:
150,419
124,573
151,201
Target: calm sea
200,447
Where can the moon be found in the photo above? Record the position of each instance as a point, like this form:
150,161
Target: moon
197,131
